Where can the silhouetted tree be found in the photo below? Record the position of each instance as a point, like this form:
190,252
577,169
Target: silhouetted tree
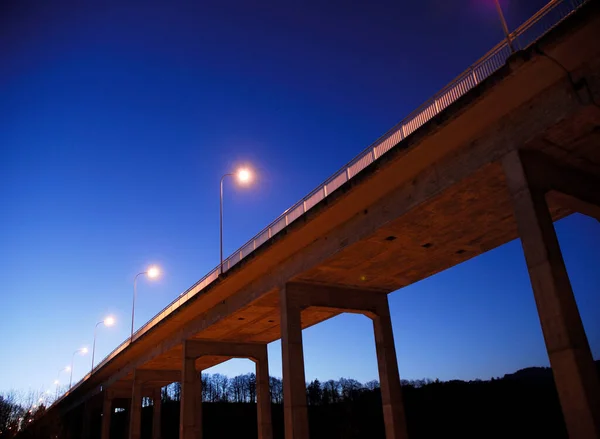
372,385
276,386
331,393
314,393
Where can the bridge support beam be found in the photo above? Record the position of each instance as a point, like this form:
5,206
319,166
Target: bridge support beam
107,412
145,382
295,411
86,420
263,395
191,400
190,417
567,187
572,364
135,414
156,414
294,297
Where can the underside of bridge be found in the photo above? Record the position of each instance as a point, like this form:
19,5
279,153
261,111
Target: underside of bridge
517,152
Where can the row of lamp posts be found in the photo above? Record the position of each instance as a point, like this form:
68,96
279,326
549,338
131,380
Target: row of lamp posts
243,176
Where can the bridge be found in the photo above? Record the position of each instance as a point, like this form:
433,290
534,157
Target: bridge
503,151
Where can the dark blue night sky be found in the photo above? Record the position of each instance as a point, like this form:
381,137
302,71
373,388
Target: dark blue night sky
117,121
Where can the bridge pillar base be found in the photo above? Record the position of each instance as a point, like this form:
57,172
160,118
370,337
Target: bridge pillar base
86,420
156,414
263,395
135,416
190,418
572,364
106,414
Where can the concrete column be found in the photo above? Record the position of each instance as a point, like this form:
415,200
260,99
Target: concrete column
106,415
190,419
391,392
574,371
135,415
156,414
86,420
67,425
127,415
294,385
263,397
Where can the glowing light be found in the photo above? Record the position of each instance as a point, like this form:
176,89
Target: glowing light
56,382
244,175
153,272
68,369
83,351
109,321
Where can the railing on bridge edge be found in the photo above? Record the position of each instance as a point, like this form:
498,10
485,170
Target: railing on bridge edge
536,26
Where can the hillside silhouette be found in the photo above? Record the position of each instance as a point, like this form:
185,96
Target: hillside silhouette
521,404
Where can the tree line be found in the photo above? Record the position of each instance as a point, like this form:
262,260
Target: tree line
17,410
242,388
523,404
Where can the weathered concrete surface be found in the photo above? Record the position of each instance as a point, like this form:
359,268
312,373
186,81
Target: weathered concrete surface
135,419
190,418
107,410
574,370
263,396
295,410
156,414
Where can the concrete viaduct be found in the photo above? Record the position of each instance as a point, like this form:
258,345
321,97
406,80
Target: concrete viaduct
516,152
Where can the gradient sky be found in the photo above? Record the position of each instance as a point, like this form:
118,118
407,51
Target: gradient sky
117,121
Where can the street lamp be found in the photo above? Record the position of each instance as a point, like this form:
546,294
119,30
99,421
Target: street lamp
57,380
152,273
504,25
83,351
108,321
244,176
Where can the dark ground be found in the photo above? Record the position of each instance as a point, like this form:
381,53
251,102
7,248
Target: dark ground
519,405
524,404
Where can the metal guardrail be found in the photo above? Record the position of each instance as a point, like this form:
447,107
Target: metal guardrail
529,32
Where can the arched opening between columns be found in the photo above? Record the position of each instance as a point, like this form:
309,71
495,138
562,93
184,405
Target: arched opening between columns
295,299
199,355
343,391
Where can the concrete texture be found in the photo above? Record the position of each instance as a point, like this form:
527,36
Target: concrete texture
190,421
135,419
107,410
572,364
156,414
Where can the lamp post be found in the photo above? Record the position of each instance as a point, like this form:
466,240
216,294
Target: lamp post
243,176
108,321
504,25
57,380
83,352
152,272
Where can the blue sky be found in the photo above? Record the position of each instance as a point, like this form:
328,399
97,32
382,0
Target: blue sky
117,121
